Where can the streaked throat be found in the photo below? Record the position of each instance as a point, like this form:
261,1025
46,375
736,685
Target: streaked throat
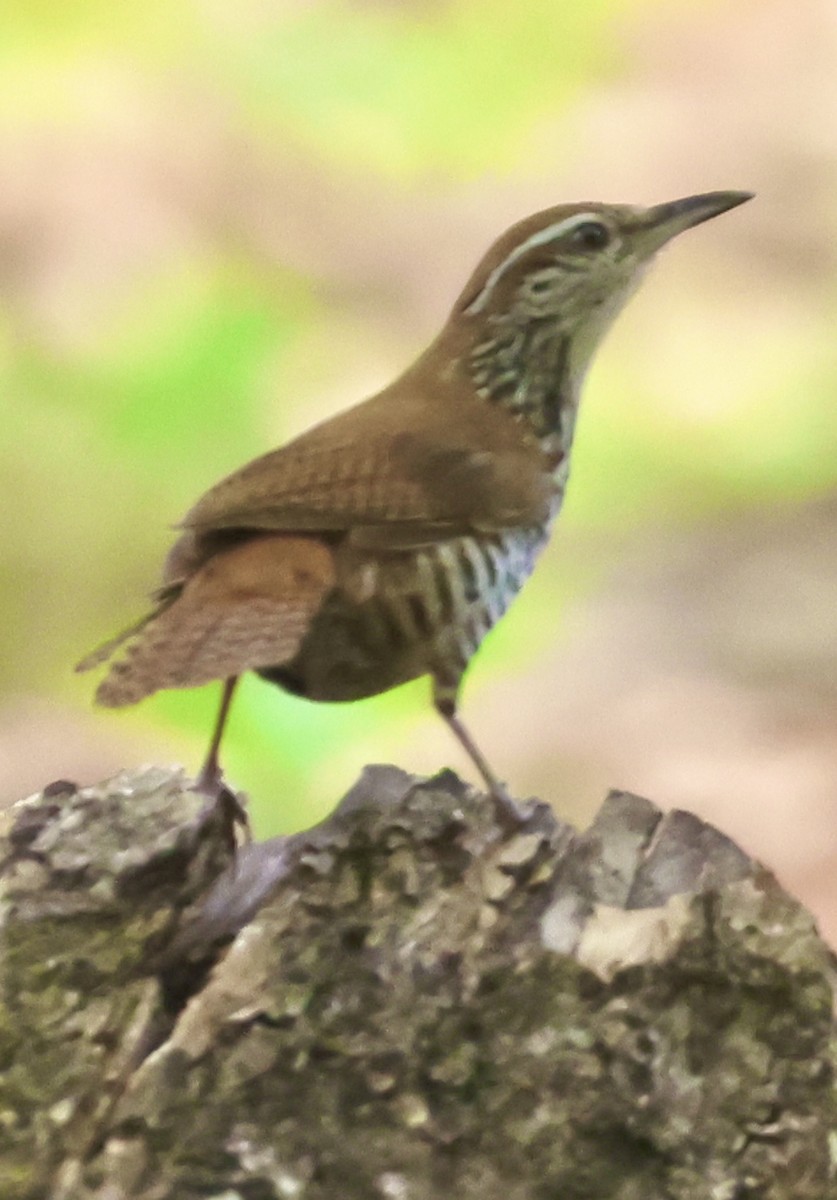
527,369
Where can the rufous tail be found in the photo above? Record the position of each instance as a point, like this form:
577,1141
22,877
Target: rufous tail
247,607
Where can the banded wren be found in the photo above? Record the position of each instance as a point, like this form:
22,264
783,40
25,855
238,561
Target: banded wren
384,543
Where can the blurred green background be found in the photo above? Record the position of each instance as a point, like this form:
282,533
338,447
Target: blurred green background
219,223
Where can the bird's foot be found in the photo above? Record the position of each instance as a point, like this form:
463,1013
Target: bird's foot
229,804
510,813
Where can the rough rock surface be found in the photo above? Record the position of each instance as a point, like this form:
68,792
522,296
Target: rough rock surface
407,1002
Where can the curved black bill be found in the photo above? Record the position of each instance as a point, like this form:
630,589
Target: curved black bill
665,221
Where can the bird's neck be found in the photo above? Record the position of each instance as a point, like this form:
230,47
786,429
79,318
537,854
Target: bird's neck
529,368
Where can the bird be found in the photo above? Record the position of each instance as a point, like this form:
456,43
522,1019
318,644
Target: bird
382,544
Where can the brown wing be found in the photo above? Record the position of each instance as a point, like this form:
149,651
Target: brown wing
416,470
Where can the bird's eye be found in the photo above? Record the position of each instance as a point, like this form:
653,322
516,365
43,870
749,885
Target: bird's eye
591,235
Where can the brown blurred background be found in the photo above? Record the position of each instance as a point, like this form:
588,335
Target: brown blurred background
219,223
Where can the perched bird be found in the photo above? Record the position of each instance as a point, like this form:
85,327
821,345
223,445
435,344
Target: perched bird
384,543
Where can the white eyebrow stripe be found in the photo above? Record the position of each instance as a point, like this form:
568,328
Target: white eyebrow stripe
535,239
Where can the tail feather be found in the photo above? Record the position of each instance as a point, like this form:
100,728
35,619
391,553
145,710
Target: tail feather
107,649
248,607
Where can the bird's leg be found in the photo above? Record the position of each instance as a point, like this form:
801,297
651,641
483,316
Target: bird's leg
210,775
509,812
210,780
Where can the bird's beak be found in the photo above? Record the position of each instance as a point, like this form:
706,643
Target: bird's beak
664,221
